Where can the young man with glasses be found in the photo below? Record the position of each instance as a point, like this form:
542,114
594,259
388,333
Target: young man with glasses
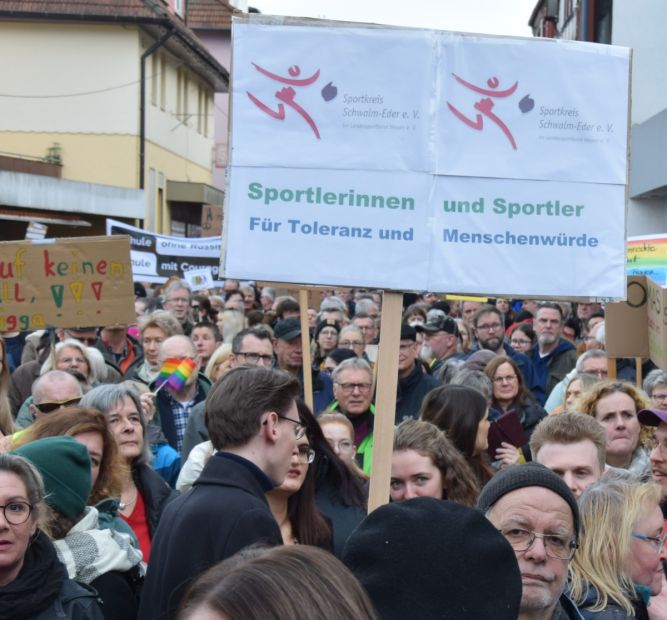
352,390
254,424
489,328
538,515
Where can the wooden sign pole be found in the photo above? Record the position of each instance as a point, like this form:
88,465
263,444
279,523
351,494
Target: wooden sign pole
385,401
305,345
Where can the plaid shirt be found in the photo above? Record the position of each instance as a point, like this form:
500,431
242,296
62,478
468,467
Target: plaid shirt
181,413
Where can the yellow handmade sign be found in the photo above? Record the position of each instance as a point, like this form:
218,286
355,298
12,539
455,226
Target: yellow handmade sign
77,282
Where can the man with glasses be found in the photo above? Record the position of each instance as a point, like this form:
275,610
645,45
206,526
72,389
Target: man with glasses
489,328
253,422
178,299
352,390
250,347
538,515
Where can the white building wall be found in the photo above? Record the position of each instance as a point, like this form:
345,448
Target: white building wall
96,66
637,24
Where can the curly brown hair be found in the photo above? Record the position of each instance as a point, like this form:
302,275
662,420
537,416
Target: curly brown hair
459,482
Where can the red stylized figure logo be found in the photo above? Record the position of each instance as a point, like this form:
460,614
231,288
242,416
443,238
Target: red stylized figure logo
287,95
485,105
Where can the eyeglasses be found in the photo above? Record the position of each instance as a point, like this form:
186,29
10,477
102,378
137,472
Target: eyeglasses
657,542
507,379
342,446
53,406
17,512
488,327
555,546
659,397
306,455
652,443
256,358
519,342
348,388
349,343
299,429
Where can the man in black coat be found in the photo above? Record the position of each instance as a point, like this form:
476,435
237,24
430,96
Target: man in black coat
252,419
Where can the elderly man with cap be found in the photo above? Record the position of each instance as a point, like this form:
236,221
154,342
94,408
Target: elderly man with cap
413,383
538,515
428,558
441,339
289,357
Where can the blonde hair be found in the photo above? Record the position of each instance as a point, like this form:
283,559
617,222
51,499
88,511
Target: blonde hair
609,510
219,357
588,401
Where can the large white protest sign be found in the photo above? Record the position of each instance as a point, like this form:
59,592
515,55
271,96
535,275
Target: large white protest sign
515,109
155,258
422,160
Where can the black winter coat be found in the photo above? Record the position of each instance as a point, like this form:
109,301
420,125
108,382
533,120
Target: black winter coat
224,512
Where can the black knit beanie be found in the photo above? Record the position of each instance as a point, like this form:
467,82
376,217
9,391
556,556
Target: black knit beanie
429,558
528,475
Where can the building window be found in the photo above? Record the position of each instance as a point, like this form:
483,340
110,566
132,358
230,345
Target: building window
178,7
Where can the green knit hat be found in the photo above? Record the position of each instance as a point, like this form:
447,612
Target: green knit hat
65,466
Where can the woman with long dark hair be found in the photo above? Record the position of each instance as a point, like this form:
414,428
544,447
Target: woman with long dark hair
339,493
463,413
293,502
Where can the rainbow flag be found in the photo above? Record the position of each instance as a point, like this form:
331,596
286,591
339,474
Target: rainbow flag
175,372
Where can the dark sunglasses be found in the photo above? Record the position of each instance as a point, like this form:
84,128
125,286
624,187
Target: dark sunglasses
50,407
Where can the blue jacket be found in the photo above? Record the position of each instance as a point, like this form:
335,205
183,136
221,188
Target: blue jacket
551,368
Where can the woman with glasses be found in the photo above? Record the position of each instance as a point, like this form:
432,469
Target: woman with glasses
339,433
325,340
522,338
144,492
426,464
293,502
618,565
33,583
510,394
615,404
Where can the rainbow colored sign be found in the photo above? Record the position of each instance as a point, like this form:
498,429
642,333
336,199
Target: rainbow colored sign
647,256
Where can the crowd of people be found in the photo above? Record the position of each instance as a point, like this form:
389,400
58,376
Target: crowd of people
525,482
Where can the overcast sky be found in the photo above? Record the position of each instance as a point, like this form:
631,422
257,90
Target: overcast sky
509,17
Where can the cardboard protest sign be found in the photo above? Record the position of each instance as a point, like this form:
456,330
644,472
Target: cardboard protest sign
450,180
647,256
657,324
78,282
155,258
626,322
